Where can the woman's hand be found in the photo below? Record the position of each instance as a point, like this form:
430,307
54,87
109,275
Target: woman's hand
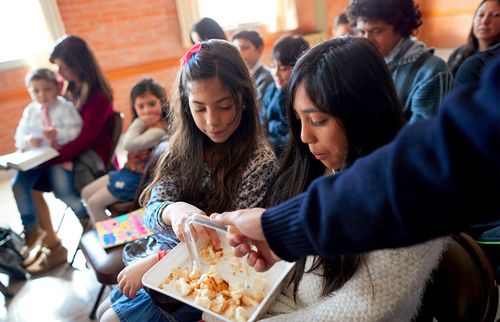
174,214
245,231
130,278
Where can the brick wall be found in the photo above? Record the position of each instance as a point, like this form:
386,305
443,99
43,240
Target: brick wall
335,7
125,34
133,39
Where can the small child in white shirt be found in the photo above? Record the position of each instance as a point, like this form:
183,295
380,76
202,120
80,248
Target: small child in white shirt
49,120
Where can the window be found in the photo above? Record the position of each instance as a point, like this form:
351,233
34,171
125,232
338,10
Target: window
232,14
26,37
276,15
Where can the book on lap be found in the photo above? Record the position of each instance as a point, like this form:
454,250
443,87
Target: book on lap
122,229
25,160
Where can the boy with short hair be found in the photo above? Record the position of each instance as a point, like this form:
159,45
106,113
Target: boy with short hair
421,78
251,45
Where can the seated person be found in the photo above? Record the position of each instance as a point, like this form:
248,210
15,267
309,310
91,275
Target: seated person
206,29
421,78
484,34
49,120
226,165
286,51
338,113
148,128
469,72
342,26
251,46
87,88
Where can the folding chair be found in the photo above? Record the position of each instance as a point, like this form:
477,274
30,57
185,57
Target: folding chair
463,287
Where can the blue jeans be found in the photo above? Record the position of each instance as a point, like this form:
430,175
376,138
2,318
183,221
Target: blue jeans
61,182
142,308
22,184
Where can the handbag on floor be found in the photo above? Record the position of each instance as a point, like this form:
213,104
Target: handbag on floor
11,260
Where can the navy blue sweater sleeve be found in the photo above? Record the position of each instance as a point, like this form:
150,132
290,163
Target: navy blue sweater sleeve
436,177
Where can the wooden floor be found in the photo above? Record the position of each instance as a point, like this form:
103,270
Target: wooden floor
64,294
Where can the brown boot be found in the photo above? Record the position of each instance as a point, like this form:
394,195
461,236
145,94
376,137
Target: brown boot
32,238
49,259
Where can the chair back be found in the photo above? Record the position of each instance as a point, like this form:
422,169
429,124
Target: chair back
463,287
115,124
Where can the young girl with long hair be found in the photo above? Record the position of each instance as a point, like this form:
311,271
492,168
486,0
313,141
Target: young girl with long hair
148,128
217,159
341,106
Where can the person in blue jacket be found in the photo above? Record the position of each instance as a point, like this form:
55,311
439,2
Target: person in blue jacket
421,78
437,177
286,51
469,72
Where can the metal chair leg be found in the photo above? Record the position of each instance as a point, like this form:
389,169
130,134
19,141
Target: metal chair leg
74,256
97,302
85,228
62,219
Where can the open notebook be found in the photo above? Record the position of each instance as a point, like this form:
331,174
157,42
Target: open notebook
122,229
27,159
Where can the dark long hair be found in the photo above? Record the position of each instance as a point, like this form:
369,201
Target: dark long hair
348,79
288,49
217,58
78,56
149,85
207,29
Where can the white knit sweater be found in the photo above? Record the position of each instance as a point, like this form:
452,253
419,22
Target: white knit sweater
387,287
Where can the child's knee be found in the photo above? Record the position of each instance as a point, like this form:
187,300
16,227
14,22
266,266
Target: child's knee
109,316
102,308
86,193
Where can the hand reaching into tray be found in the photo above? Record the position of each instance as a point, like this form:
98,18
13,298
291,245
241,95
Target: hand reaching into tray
244,231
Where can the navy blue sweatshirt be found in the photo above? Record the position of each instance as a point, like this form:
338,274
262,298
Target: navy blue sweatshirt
436,177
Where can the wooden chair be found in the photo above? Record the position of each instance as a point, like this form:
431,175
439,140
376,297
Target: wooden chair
463,287
107,264
115,123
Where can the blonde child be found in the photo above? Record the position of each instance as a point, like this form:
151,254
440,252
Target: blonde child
217,159
148,128
49,120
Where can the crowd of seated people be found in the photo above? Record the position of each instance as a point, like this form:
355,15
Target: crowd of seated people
245,135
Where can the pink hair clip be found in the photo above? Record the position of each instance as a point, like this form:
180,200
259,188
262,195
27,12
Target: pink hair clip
187,56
